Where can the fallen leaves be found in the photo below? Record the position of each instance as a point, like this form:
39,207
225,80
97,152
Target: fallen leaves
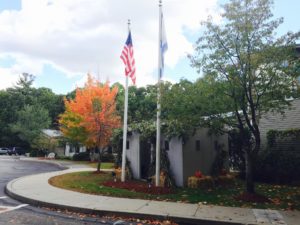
105,219
276,201
136,186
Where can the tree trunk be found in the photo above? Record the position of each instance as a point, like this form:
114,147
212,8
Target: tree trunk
99,160
249,173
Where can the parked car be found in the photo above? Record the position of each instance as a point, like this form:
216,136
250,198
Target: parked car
16,151
3,151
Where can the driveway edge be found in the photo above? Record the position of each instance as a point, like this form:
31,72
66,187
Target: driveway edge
187,221
182,219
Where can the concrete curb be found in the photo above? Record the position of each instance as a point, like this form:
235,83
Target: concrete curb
182,220
35,190
9,189
46,161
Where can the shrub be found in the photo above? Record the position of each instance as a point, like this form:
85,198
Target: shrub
37,153
278,167
218,165
81,156
280,163
62,157
107,158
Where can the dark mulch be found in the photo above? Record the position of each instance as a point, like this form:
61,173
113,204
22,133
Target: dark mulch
255,198
139,187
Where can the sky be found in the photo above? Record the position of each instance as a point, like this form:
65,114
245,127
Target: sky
60,41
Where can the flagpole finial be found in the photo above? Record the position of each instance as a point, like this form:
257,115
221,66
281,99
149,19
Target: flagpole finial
128,25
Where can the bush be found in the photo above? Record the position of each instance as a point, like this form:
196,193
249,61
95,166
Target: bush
62,157
107,158
81,156
280,163
280,167
37,153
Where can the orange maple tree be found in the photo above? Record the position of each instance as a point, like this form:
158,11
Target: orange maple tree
70,126
94,110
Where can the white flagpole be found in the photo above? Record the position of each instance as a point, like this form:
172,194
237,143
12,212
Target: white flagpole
157,167
123,173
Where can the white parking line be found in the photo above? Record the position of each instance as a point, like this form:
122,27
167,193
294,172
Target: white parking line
2,197
9,208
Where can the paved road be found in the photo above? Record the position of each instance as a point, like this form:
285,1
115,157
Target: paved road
16,213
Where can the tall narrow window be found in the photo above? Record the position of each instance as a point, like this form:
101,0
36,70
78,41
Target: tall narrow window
167,148
197,145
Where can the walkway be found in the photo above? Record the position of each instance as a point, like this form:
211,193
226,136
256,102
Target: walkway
36,190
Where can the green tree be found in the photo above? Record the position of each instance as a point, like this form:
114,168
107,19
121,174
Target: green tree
30,121
182,108
256,67
43,142
7,116
14,99
52,102
25,81
141,102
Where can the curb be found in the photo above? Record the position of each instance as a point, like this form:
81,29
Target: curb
181,220
46,161
178,219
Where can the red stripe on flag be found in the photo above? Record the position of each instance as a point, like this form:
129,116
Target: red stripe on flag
129,62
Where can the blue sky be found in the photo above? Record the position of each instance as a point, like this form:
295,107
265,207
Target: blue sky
10,5
60,41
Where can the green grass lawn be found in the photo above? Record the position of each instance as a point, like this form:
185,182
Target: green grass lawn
104,165
282,197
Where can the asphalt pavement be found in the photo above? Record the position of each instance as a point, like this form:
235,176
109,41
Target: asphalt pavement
14,212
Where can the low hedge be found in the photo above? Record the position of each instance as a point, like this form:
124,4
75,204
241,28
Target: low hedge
108,158
280,167
81,156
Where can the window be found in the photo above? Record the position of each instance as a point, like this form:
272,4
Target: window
127,145
197,145
167,148
216,145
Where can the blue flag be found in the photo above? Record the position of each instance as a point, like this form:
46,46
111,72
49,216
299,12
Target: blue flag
163,44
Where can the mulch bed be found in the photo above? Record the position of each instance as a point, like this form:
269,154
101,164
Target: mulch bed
255,198
138,186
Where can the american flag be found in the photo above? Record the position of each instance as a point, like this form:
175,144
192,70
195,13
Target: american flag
128,59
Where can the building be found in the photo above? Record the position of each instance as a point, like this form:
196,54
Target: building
277,121
54,145
198,152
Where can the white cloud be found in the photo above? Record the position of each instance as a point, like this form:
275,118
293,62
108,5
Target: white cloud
80,36
8,78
